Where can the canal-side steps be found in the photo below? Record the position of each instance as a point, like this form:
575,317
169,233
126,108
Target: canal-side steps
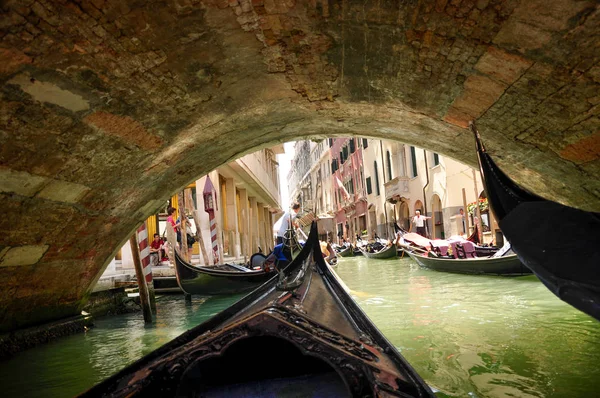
163,276
19,340
105,302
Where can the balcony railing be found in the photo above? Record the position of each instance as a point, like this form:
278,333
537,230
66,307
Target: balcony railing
396,188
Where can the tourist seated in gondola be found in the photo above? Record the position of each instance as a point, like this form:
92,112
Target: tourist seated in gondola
376,237
324,250
277,256
328,252
156,250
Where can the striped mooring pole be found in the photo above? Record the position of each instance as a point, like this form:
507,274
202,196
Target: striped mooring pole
136,249
213,237
210,204
142,238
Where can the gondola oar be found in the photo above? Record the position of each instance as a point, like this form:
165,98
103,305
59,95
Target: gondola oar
560,244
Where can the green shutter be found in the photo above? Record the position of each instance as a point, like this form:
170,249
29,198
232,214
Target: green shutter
376,179
413,158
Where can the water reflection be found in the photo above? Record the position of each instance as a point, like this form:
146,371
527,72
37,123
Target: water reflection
479,336
73,364
468,336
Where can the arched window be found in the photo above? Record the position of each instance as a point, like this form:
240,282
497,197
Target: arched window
389,165
376,178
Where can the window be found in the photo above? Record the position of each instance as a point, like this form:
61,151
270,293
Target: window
331,142
365,143
389,165
376,178
334,165
413,158
436,159
352,146
369,189
362,184
349,187
345,150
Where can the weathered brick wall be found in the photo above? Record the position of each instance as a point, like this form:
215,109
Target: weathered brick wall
107,107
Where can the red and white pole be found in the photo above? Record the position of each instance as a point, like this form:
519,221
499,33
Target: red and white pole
142,238
144,247
213,237
210,205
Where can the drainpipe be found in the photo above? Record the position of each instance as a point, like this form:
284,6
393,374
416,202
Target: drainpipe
384,199
426,184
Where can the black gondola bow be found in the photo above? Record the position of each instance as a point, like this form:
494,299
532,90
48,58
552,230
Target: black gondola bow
560,244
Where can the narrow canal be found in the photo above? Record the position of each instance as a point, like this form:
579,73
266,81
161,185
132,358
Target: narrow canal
468,336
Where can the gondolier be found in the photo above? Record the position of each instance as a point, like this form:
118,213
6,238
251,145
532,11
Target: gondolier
283,224
419,221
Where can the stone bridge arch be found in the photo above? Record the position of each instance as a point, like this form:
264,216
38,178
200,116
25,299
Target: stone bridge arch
107,107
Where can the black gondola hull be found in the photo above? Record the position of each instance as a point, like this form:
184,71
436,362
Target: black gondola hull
207,281
507,266
346,252
388,252
307,331
560,244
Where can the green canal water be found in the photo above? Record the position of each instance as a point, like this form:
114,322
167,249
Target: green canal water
468,336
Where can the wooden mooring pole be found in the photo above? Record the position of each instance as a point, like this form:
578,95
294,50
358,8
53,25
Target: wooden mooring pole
144,246
141,279
190,206
466,214
477,212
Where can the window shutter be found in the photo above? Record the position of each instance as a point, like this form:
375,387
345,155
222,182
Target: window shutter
376,179
389,165
413,157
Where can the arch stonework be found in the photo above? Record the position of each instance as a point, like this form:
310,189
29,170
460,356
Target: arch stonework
418,206
109,107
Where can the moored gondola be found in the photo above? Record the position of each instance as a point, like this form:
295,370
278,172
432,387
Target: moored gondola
509,265
560,244
387,252
311,339
219,279
347,251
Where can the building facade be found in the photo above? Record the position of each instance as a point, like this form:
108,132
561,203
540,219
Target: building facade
299,179
406,179
347,181
367,185
247,203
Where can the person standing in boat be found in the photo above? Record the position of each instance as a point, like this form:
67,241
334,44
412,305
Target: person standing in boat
285,221
175,224
419,221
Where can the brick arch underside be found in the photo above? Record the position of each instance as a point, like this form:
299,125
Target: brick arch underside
108,107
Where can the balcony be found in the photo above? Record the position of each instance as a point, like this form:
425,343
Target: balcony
260,173
396,188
